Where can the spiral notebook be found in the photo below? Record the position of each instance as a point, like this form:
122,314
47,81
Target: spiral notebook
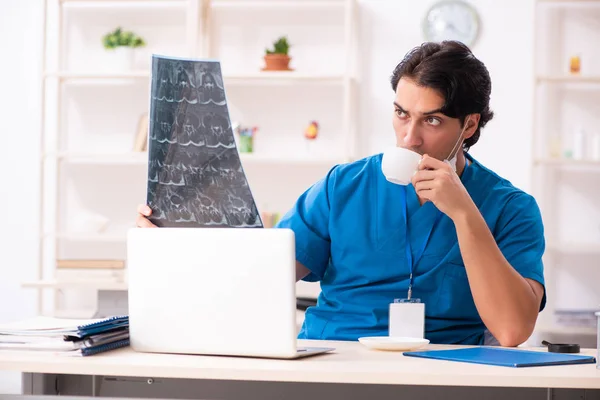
46,326
90,351
66,336
503,357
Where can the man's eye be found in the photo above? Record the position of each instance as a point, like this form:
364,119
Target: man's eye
400,113
433,121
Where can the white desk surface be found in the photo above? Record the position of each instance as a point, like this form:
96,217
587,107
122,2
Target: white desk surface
350,363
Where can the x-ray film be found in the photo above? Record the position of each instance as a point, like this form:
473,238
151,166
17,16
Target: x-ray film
195,176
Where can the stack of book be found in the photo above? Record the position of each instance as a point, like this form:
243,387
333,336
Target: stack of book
68,336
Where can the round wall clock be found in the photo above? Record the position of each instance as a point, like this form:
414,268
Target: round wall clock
451,20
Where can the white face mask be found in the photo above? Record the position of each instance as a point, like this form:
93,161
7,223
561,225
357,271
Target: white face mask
452,161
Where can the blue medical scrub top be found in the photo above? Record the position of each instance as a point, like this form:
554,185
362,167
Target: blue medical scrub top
350,233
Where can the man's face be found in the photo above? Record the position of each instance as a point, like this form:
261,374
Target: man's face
420,126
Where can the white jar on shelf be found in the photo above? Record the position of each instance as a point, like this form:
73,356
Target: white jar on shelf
555,146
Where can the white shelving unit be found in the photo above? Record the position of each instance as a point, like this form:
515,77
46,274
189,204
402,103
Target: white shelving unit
566,183
92,180
321,87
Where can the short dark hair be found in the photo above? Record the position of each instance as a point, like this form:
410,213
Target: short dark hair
450,68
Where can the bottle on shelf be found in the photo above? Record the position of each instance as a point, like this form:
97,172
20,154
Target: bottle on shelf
555,146
575,64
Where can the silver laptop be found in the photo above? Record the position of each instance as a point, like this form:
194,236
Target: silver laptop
214,291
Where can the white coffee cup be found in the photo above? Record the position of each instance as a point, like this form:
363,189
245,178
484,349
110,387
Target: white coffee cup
399,164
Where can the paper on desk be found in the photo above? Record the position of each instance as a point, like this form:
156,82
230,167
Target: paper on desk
56,343
12,342
43,326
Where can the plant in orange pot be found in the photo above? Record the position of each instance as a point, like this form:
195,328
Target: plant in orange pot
277,58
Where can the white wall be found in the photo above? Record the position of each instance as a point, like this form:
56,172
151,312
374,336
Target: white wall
391,28
19,105
388,30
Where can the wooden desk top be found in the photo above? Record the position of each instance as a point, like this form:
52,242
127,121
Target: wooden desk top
350,363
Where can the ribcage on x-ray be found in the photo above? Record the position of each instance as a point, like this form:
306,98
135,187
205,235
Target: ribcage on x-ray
195,177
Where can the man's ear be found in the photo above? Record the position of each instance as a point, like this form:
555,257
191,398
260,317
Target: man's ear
472,121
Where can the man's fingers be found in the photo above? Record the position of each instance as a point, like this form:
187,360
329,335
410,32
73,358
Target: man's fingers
428,162
143,222
424,185
144,210
425,194
423,175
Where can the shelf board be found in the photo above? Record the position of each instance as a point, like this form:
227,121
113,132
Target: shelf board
124,158
89,237
98,76
575,248
287,77
575,4
589,79
294,4
283,159
270,77
122,4
141,158
95,284
569,163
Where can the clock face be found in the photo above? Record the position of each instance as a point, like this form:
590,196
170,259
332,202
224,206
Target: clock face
451,20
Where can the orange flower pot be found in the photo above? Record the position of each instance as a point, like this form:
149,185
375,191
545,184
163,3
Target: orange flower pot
277,62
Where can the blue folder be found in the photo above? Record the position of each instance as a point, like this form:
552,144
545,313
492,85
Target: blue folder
503,357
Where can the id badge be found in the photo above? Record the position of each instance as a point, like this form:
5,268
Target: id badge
407,318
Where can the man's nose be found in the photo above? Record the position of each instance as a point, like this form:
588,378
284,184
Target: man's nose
412,137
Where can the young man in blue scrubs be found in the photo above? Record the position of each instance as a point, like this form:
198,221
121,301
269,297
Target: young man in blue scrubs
476,242
473,242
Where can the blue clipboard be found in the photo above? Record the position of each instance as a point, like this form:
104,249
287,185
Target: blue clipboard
503,357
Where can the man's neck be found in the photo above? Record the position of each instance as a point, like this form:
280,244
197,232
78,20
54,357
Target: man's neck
460,163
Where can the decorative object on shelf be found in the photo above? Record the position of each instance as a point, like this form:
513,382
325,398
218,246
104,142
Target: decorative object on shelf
451,20
555,146
141,138
312,130
278,58
195,176
246,139
311,133
575,64
121,45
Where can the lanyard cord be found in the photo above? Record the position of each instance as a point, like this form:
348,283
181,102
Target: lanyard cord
409,258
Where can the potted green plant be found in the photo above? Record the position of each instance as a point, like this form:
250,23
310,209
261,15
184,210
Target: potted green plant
122,44
277,58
